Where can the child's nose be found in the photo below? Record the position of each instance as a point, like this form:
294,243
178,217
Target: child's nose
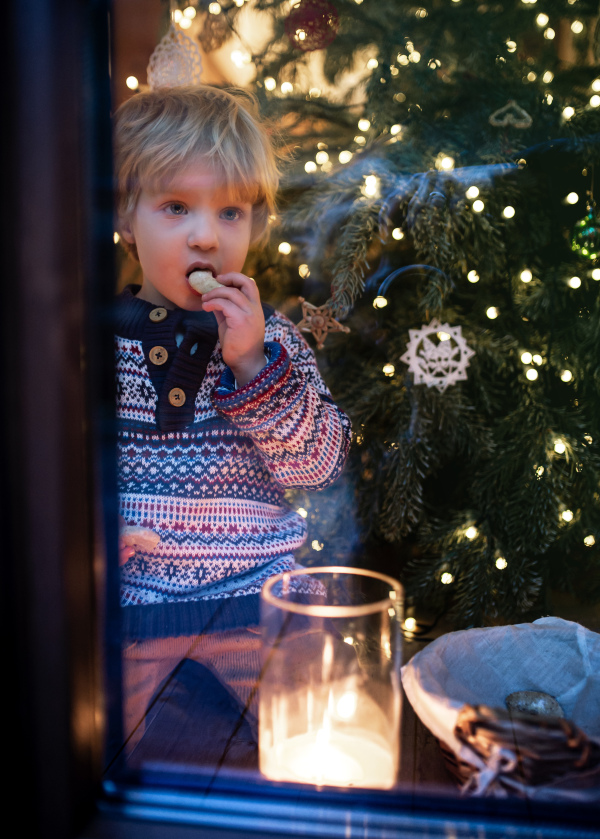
203,233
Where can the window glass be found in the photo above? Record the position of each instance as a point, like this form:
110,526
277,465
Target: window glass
394,373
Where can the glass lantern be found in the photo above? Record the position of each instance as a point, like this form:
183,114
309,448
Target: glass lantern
329,702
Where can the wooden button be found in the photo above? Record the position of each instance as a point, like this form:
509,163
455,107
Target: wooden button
156,315
176,397
158,355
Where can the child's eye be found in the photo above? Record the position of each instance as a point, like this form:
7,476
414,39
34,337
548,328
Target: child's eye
176,209
231,214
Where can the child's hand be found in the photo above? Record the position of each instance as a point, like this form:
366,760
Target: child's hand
241,323
132,537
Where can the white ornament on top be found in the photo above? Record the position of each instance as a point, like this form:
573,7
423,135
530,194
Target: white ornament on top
175,62
437,355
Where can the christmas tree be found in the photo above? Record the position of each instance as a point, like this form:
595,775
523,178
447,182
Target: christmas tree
439,202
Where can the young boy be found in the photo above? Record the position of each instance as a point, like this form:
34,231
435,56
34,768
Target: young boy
220,403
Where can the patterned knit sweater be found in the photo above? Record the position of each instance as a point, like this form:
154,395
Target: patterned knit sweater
206,465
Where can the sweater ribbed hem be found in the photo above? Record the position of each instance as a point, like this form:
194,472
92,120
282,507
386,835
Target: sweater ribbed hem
192,617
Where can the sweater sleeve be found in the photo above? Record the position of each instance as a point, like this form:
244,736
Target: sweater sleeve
288,412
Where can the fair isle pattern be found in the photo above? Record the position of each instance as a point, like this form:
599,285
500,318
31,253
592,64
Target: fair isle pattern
136,397
214,490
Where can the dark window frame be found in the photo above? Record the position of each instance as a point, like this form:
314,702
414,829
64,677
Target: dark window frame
58,460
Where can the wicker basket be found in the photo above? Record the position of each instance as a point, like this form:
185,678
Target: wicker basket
492,752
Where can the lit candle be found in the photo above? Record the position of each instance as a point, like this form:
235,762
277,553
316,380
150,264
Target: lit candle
332,758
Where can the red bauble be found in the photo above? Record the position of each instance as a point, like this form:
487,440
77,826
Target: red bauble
312,25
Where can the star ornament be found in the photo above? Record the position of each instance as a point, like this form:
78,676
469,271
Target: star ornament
320,321
437,355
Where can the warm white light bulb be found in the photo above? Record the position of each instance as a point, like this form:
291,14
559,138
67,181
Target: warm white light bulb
214,8
542,19
446,578
508,212
577,27
316,545
595,100
372,63
321,157
472,192
397,234
567,515
492,312
589,541
443,336
360,140
363,124
388,369
566,376
402,59
473,276
532,374
310,166
444,162
568,112
575,282
371,187
116,238
410,624
190,12
596,274
537,359
284,247
380,302
132,83
559,446
549,34
302,512
572,198
548,77
304,270
185,23
501,563
287,87
526,276
526,358
539,471
345,156
511,46
270,83
478,206
471,532
395,129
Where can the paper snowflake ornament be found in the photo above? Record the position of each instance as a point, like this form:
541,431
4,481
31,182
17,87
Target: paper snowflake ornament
437,355
176,61
319,320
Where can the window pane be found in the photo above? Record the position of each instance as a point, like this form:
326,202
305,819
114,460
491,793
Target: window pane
430,279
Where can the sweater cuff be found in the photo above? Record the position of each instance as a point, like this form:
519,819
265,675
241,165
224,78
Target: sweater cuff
246,404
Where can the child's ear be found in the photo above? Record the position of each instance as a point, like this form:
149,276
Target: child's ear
127,231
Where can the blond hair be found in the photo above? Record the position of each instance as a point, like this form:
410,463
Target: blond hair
158,132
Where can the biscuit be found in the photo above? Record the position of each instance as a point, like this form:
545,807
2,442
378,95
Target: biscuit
203,281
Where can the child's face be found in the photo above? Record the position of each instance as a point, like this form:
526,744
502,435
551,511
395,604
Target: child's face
190,223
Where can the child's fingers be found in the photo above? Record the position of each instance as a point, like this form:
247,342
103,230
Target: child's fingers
231,309
233,294
245,284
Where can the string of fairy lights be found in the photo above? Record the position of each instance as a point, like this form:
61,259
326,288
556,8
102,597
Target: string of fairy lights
324,161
